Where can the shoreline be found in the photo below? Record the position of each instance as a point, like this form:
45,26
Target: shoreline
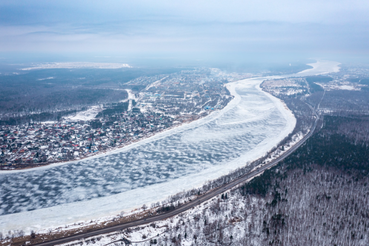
90,156
104,208
114,149
315,66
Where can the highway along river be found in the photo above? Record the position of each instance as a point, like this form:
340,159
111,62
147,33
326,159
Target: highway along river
150,170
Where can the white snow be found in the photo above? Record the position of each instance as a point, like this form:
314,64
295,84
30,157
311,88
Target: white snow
321,67
131,96
340,85
236,117
72,65
242,211
347,87
211,144
86,115
49,122
47,78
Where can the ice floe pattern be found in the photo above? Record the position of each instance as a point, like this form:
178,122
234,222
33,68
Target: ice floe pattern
149,170
252,119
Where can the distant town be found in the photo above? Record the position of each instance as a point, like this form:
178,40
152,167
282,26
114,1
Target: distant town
154,104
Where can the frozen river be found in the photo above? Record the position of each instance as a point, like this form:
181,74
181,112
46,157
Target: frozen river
151,169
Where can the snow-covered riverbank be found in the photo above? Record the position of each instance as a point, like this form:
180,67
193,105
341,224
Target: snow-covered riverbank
149,170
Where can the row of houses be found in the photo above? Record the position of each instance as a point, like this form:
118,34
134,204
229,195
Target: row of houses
43,143
160,102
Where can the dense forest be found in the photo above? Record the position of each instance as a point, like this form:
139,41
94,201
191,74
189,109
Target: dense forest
49,94
317,196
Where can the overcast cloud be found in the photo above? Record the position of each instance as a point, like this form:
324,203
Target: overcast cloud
185,27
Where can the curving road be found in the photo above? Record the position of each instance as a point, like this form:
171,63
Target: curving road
188,205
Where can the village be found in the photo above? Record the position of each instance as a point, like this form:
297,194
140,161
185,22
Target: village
154,104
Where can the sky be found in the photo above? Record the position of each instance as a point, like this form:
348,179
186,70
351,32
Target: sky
192,29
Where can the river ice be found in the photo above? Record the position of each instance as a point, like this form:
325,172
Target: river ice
149,170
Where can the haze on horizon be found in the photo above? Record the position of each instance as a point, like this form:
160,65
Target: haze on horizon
197,31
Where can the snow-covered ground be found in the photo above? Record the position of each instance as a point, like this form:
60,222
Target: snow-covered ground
236,213
149,170
46,78
339,85
131,96
320,67
71,65
86,115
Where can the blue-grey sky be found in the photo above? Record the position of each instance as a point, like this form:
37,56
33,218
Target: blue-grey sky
196,28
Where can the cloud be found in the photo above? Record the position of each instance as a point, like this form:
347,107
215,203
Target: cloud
177,26
41,11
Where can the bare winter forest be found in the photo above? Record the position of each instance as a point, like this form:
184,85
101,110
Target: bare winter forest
317,196
50,94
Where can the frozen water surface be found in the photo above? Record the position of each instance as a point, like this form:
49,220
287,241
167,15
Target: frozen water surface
149,170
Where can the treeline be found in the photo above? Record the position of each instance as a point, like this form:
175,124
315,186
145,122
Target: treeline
49,90
116,109
318,79
331,147
38,117
316,196
312,80
329,173
57,99
346,102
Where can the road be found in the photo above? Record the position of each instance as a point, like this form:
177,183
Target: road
188,205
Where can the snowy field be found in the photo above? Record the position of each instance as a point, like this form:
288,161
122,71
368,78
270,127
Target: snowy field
320,67
150,170
72,65
88,114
